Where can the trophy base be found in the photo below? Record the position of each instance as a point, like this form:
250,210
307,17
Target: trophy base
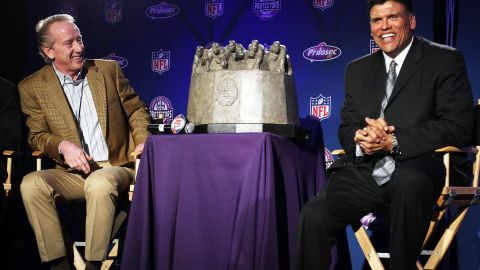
285,130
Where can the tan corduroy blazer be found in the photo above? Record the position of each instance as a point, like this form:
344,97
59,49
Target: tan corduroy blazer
122,115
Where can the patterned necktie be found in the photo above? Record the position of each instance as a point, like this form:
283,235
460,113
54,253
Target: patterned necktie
384,167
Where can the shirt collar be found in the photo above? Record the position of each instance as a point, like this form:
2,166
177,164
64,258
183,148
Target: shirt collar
68,79
399,59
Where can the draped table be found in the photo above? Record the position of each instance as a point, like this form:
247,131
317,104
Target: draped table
219,201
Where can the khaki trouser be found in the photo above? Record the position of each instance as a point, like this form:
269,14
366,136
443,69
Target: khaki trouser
100,189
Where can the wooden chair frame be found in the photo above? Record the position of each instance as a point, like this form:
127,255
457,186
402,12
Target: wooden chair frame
9,154
78,260
461,196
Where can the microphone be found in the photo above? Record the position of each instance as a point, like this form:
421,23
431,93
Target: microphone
178,125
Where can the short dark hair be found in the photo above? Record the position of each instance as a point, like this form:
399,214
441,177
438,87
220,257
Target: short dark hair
406,3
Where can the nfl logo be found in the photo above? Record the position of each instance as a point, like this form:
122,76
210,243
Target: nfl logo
373,46
322,4
320,107
113,11
213,8
160,61
69,8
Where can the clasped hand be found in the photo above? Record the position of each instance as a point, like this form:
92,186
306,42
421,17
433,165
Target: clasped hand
375,136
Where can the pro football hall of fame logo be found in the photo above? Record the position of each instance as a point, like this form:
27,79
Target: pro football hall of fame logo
320,107
266,9
160,61
213,8
161,105
113,11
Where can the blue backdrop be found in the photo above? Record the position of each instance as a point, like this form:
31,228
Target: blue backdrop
131,31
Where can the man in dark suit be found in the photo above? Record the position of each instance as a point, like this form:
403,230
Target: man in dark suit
11,123
11,138
84,115
401,103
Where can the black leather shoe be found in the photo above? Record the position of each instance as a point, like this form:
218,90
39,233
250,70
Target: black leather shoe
93,265
61,263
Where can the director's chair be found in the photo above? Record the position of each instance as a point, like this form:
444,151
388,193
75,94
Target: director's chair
461,196
78,259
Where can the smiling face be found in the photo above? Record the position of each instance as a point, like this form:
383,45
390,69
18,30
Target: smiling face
391,26
67,49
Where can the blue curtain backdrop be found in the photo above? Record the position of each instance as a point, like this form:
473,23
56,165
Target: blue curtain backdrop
131,31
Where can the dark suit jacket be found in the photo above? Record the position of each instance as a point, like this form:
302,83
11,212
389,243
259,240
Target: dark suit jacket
122,115
431,105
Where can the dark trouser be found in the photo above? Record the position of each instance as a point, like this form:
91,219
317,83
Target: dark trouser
351,192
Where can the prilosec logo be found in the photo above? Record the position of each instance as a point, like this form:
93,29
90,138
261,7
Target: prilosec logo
122,62
322,52
266,9
162,11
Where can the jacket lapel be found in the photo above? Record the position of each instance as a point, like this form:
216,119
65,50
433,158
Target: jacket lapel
409,68
98,89
54,90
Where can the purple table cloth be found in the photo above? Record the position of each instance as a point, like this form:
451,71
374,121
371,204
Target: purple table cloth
219,201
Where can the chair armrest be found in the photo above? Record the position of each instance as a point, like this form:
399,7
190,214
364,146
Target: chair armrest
38,156
453,149
338,152
137,155
12,153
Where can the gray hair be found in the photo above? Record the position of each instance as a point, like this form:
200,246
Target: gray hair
43,35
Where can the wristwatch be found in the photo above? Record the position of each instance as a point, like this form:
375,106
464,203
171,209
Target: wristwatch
395,148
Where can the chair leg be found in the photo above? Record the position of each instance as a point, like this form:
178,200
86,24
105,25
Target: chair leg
78,260
368,249
107,263
446,239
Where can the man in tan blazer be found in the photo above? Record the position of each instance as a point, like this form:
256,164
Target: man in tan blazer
84,115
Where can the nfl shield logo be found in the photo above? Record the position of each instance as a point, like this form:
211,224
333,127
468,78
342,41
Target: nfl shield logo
113,11
322,4
320,107
213,8
160,61
373,46
67,7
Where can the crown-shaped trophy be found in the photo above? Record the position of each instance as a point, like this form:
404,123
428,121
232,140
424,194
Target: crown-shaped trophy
235,90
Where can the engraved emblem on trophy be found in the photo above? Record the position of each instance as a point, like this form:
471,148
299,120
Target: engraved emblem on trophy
226,92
